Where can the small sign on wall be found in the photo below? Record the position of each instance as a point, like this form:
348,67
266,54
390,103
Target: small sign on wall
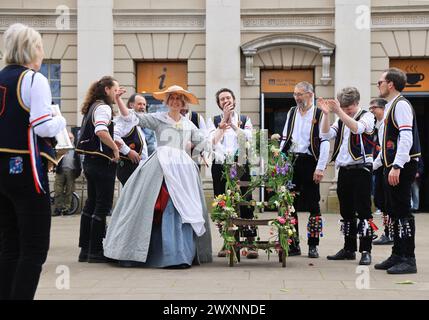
157,76
284,80
417,71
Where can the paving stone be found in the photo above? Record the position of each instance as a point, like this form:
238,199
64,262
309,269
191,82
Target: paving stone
259,279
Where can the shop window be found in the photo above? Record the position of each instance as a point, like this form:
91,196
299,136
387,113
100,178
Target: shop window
52,71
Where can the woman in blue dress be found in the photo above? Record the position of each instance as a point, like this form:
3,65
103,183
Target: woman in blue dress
161,219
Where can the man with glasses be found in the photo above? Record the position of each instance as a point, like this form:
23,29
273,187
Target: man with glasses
376,107
301,138
400,153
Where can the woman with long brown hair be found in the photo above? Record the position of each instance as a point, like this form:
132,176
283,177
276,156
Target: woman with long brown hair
101,154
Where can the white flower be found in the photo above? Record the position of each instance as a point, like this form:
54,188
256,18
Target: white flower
277,204
275,136
228,192
291,209
283,189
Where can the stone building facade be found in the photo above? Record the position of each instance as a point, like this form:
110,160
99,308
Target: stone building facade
235,44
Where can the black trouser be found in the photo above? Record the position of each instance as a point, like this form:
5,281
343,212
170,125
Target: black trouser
125,170
308,196
354,195
219,184
100,175
398,204
379,189
379,199
25,223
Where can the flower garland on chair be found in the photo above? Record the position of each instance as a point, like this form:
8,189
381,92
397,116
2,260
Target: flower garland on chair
277,177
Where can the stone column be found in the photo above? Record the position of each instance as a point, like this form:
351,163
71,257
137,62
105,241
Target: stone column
222,50
352,59
94,44
353,46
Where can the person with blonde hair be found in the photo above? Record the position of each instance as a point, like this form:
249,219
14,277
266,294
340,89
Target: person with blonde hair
169,226
27,125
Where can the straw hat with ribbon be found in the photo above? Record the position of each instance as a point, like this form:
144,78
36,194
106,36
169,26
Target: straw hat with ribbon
162,95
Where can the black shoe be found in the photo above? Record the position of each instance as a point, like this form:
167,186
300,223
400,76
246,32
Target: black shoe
343,255
179,266
99,257
388,263
294,251
252,254
130,264
383,240
83,255
222,253
365,259
407,265
312,252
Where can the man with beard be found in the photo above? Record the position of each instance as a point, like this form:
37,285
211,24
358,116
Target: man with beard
400,153
301,138
130,139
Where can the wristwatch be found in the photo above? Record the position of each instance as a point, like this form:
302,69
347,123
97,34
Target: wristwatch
396,166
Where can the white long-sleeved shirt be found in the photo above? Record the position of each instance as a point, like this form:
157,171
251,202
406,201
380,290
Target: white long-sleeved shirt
344,158
404,120
301,137
102,118
379,125
228,144
123,126
37,97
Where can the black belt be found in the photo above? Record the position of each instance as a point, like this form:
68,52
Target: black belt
366,166
303,155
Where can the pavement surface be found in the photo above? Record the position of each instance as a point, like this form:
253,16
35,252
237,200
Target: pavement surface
262,279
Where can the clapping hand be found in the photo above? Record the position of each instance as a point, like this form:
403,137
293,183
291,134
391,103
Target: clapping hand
224,124
322,104
227,111
334,105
